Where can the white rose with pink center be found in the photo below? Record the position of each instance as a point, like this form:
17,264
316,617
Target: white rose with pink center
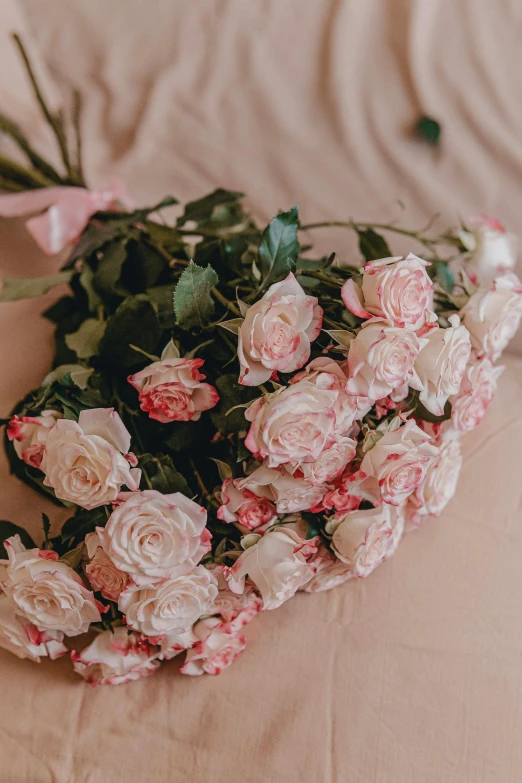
493,316
492,249
87,462
276,333
115,657
277,564
441,364
294,424
151,536
29,434
47,592
396,289
476,392
439,484
397,463
216,648
364,539
381,359
172,389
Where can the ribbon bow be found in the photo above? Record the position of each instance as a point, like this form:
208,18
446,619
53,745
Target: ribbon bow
65,211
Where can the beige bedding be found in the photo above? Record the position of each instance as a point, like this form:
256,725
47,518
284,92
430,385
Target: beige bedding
411,676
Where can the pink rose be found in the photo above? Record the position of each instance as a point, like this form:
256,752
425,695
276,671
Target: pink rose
439,484
22,638
326,373
251,507
398,462
277,331
493,316
217,647
493,251
45,591
294,424
330,463
441,364
382,358
275,564
29,434
476,392
88,461
169,607
115,657
364,539
171,389
396,289
329,572
151,536
101,572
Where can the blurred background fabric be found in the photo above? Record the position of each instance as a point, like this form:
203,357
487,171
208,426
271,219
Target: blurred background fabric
415,675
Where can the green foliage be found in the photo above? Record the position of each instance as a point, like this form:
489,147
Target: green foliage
158,472
193,303
85,341
75,529
227,417
15,288
135,322
8,529
445,276
372,245
429,130
279,247
217,204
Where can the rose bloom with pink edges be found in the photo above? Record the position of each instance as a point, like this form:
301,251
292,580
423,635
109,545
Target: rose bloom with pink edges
276,333
29,434
172,389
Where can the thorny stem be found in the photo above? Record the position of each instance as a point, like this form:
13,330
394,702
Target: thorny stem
225,302
201,484
76,118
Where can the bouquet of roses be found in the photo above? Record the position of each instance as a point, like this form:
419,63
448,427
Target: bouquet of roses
229,418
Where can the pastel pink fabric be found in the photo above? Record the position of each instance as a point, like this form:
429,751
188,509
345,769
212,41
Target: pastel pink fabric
65,211
414,674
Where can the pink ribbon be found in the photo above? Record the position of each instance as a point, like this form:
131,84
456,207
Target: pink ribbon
65,211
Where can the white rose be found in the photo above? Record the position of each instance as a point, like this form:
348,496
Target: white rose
275,564
171,606
46,591
326,373
277,332
29,434
364,539
397,464
294,424
493,316
217,647
330,463
476,392
85,462
441,364
22,638
329,572
151,536
493,250
440,482
382,358
248,500
115,657
396,289
235,610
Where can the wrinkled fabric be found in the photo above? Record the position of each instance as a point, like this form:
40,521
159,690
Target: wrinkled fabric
410,676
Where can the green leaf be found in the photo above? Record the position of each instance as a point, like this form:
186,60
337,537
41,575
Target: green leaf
279,247
315,264
193,303
78,373
428,130
234,325
445,276
107,276
135,322
372,245
81,524
74,557
203,208
224,469
86,340
143,268
426,415
15,288
86,281
46,525
95,236
160,474
233,399
8,529
162,298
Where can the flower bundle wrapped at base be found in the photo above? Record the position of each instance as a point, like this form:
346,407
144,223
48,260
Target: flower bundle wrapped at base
232,420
